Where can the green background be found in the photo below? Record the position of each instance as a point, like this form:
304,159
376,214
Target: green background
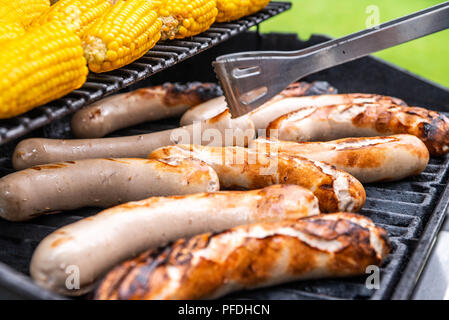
428,57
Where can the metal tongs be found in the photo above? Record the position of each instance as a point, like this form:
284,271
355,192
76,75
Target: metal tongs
249,79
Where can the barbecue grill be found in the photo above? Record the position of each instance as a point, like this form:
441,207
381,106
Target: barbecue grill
412,211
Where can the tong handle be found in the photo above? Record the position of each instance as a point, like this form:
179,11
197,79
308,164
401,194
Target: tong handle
386,35
243,74
368,41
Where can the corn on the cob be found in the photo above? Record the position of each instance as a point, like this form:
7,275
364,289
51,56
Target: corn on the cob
185,18
229,10
10,31
45,63
123,34
23,11
78,15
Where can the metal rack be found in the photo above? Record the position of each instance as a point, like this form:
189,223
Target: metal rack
411,210
164,55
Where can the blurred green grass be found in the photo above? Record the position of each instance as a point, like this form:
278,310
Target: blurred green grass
428,57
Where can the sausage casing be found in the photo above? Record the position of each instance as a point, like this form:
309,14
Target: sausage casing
142,105
98,243
215,106
98,183
368,159
220,130
258,255
269,112
364,120
242,168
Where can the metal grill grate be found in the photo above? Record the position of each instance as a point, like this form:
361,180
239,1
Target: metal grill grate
402,208
411,210
165,54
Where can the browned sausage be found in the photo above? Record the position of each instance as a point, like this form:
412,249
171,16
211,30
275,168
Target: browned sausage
98,243
215,106
146,104
368,159
269,112
364,120
215,131
265,254
98,183
242,168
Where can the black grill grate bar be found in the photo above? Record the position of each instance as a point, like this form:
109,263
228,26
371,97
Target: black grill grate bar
391,206
395,195
166,54
395,231
396,217
412,223
391,269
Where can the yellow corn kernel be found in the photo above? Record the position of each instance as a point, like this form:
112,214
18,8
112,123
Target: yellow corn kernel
125,32
229,10
78,15
23,11
10,30
186,18
44,64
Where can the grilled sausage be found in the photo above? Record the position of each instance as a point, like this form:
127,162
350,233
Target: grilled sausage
215,106
368,159
364,120
242,168
146,104
272,110
98,182
131,228
204,111
254,256
220,130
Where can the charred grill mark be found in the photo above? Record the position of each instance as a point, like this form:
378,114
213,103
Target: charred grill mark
430,126
250,261
359,119
333,229
49,166
116,160
147,93
219,117
109,286
192,93
366,160
327,187
319,88
141,280
435,135
60,241
383,121
254,259
427,130
413,113
276,124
